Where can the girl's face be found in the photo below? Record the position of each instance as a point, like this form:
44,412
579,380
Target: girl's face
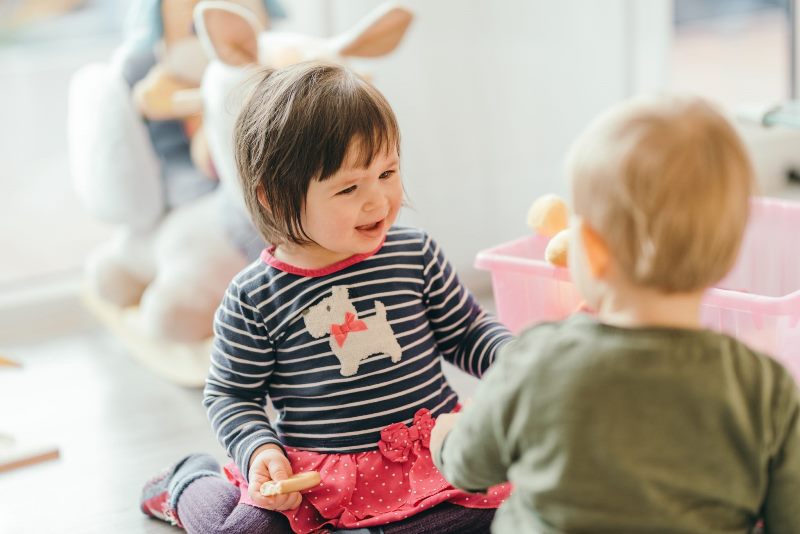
350,212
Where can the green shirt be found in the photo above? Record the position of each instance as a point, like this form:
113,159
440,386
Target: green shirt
604,429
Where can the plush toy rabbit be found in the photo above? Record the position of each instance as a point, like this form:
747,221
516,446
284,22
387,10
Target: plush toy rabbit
178,269
137,149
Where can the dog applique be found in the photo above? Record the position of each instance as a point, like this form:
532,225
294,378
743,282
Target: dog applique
352,339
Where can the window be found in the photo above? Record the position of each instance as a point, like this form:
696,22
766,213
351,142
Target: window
732,51
45,232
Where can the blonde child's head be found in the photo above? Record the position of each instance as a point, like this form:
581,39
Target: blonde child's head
662,185
302,124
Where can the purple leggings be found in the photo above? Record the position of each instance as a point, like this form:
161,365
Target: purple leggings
210,505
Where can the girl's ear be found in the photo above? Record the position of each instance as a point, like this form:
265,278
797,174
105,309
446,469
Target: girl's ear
598,255
262,197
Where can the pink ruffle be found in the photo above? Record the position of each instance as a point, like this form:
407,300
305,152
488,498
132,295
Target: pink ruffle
376,487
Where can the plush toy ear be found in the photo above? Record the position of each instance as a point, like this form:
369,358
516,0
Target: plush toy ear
228,31
377,34
176,18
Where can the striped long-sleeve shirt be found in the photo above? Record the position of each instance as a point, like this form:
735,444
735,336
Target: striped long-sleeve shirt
342,352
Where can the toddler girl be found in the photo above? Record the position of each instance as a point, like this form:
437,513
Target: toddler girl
342,325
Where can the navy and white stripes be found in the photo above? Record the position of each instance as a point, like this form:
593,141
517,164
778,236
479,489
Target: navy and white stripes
263,350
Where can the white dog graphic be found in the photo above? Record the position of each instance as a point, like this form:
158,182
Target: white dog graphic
352,339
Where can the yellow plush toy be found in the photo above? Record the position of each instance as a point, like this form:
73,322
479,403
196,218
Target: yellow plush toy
549,216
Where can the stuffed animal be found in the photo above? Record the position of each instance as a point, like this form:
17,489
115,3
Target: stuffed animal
137,150
549,216
170,89
177,271
180,62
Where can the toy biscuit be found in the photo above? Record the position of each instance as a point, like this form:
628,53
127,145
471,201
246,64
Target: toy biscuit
298,482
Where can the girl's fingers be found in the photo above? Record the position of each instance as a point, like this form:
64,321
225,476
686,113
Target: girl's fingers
255,495
279,469
278,503
290,501
294,500
272,467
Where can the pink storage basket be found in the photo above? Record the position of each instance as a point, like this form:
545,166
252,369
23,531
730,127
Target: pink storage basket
758,302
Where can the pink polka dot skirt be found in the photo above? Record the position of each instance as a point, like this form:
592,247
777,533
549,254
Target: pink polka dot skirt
376,487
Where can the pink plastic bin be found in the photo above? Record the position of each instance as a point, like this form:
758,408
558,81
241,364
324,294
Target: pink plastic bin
758,302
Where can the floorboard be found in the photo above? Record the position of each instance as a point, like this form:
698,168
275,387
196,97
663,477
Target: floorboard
115,424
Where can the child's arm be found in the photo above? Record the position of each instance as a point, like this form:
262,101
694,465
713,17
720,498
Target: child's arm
780,505
242,361
479,449
466,335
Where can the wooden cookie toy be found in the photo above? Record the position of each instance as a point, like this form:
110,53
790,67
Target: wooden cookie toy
298,482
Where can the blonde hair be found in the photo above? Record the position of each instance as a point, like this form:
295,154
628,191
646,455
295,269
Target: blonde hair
297,125
666,182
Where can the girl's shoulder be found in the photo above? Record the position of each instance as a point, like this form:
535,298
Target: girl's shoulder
257,284
254,274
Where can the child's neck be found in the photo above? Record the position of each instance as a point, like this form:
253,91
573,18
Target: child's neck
632,307
307,256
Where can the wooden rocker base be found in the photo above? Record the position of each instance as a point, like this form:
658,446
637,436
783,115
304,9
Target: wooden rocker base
185,364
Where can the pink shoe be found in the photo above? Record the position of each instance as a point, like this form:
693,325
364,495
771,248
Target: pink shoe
161,493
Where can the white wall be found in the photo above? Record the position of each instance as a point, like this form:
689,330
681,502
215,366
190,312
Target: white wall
489,95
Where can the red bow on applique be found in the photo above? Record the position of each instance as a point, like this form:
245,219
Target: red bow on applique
350,324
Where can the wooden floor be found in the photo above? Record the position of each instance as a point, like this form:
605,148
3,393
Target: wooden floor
116,425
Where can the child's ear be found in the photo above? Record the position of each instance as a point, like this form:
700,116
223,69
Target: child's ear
598,255
262,197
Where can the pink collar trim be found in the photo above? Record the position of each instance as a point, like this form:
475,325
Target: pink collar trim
268,258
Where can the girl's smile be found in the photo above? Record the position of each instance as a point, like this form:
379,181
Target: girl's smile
372,229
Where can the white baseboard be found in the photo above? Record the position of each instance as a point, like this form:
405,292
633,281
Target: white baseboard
42,309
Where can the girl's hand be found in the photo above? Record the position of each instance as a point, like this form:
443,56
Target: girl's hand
269,463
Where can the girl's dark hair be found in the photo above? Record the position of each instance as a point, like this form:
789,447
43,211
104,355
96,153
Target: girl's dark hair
298,125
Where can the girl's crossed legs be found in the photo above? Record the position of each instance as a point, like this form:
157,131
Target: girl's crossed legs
211,505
